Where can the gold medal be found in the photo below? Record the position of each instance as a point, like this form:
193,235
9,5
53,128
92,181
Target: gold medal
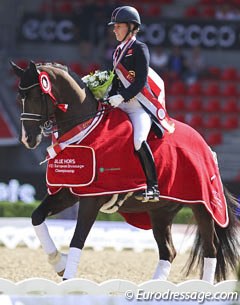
131,75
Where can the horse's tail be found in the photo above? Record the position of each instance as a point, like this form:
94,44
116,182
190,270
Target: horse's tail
226,240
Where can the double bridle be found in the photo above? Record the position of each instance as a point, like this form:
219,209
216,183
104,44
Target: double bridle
48,125
48,121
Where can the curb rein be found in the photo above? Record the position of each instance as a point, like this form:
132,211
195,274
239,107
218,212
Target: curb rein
48,121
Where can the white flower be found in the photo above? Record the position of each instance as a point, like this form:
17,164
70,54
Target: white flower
92,79
97,78
102,76
95,84
99,82
85,79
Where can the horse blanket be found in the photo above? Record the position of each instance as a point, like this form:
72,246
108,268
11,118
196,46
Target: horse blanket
104,162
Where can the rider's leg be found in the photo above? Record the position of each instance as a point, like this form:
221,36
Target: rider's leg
142,123
147,161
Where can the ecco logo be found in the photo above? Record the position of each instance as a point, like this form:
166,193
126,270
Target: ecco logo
191,35
48,30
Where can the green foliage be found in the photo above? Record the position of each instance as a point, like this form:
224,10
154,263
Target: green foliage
110,217
184,216
16,209
21,209
238,273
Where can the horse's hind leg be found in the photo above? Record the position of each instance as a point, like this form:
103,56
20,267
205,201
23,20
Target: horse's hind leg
208,242
161,220
51,205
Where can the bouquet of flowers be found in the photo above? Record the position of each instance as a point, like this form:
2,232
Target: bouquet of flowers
99,82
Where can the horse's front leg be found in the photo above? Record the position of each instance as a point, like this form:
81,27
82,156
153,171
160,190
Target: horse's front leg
51,205
87,214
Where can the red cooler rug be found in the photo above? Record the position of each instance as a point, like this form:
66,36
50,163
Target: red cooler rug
105,163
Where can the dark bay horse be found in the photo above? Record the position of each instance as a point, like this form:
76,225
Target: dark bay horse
52,97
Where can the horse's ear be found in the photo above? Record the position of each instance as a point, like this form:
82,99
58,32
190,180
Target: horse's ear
17,70
33,67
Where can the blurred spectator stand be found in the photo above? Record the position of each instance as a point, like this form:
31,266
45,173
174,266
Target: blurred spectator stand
159,59
176,64
195,65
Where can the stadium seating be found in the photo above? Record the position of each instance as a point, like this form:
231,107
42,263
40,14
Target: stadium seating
205,2
212,121
23,63
153,11
229,74
65,7
212,105
180,117
177,104
230,122
194,120
230,90
194,89
212,89
77,68
177,88
7,134
230,105
214,71
213,137
219,2
194,105
191,12
208,11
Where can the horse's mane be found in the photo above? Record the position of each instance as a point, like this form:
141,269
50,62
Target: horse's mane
64,68
54,65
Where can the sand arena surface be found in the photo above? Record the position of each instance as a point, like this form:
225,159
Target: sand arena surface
22,263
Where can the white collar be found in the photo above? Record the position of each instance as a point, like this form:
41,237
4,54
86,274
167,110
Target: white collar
122,44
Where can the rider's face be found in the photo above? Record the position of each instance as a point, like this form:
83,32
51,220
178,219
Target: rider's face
120,30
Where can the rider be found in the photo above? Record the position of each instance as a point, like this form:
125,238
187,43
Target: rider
131,92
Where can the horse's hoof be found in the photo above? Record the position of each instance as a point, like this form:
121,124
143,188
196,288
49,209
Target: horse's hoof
58,261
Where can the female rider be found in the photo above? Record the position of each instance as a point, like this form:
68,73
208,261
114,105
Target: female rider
131,91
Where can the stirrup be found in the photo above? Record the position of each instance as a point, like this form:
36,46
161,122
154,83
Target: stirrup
151,194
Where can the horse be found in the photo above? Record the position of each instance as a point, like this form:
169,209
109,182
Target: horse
54,101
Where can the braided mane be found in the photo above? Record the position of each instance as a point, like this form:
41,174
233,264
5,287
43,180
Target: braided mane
54,65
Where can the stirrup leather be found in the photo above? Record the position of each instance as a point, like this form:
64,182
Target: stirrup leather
151,194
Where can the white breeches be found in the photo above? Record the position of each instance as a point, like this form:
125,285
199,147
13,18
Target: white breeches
140,119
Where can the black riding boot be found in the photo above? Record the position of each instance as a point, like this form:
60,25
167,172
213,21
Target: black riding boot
147,161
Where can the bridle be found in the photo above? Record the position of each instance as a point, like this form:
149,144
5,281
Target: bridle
48,124
47,121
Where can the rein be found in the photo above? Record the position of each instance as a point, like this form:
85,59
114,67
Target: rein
48,123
